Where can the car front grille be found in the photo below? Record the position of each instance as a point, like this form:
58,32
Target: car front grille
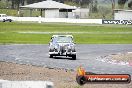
62,49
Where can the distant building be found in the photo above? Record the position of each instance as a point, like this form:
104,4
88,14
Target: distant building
52,9
81,13
121,14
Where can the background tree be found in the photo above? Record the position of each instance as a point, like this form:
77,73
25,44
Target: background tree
121,3
113,6
12,4
82,3
93,6
104,11
130,4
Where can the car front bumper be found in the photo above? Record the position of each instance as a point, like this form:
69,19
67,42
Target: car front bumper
62,54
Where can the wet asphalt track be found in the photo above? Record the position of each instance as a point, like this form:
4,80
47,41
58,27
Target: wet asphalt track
87,55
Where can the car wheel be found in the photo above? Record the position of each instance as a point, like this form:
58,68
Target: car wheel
81,80
10,20
73,57
51,56
3,20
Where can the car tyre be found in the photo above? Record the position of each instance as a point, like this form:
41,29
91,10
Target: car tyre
10,20
73,57
51,56
81,80
3,20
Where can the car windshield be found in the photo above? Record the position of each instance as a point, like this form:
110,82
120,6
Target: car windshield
62,39
4,15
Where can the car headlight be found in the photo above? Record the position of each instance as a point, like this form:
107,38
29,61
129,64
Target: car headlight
68,47
51,48
56,46
73,48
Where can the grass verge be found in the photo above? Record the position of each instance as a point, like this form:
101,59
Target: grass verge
92,34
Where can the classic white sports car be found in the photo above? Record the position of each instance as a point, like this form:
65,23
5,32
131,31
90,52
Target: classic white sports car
4,18
62,45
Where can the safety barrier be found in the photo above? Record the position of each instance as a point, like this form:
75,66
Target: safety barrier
65,20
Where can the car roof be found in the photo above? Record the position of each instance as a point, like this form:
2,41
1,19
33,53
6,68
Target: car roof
62,36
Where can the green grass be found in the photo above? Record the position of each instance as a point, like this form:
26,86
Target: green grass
9,12
98,34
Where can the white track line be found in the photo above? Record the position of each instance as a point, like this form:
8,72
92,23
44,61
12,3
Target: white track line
75,32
